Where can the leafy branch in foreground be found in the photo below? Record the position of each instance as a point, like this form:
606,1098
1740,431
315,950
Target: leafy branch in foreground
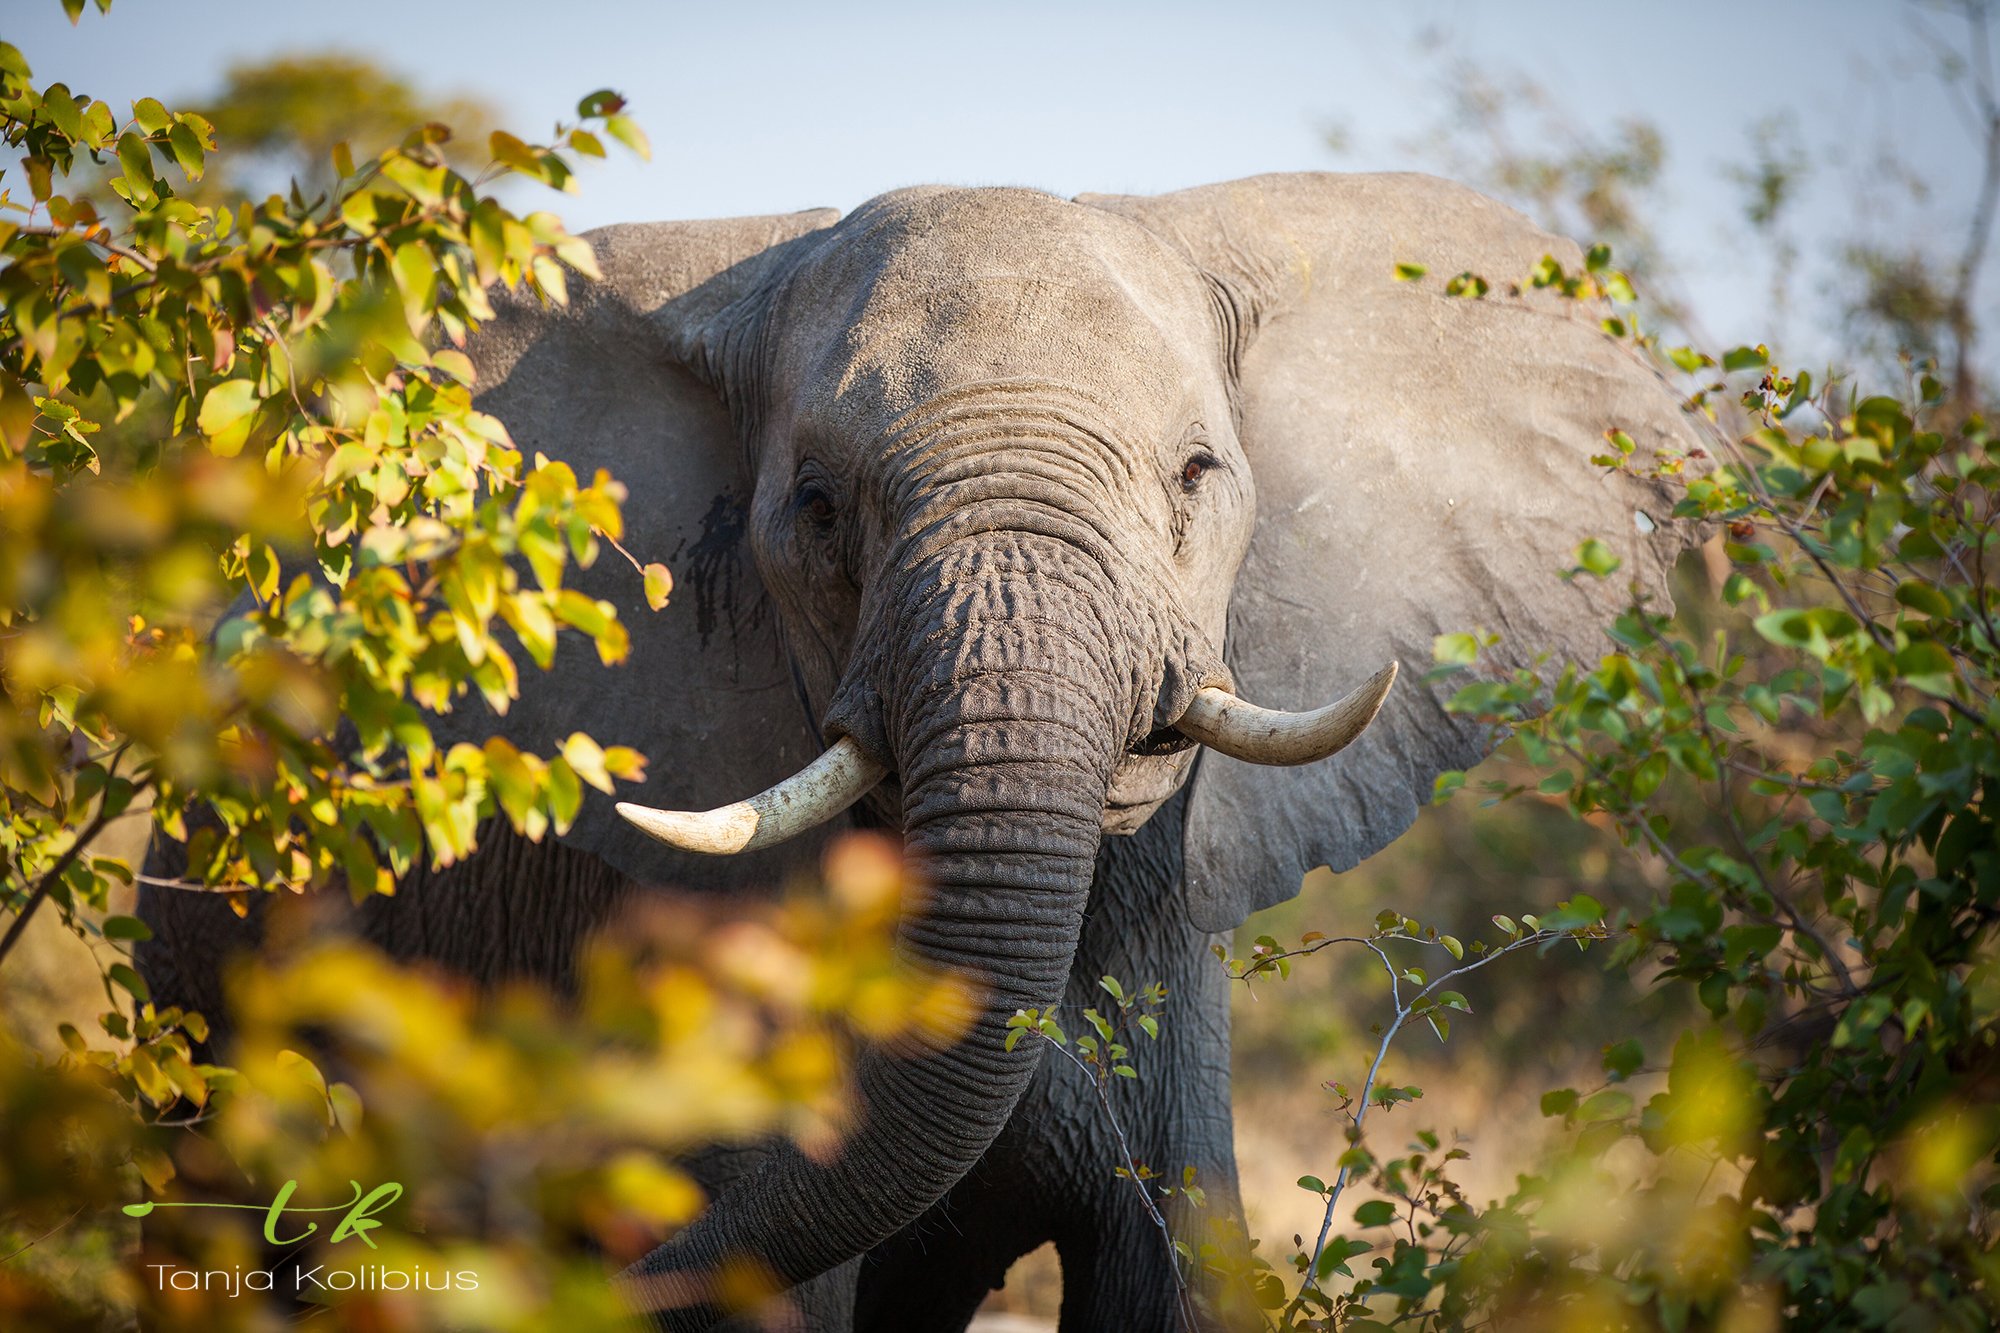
1101,1055
1806,766
265,405
1437,1207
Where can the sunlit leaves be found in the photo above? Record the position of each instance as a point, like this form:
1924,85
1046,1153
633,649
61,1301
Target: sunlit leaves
682,1030
659,582
227,412
1805,770
1802,771
200,401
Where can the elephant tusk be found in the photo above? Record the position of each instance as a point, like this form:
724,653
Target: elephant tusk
810,797
1221,721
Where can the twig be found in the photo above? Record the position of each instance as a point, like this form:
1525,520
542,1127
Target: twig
4,1258
1963,326
99,238
1805,542
47,883
1184,1304
1403,1015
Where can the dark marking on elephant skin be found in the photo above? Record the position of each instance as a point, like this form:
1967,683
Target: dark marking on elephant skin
714,566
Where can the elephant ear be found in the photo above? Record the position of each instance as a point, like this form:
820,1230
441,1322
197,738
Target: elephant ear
1422,468
707,693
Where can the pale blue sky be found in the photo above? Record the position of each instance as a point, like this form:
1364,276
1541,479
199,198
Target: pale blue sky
774,106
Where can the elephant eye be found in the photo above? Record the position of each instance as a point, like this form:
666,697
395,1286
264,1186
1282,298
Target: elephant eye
816,505
1193,470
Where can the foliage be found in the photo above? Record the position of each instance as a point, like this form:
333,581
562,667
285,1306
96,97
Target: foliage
195,409
254,536
1810,778
1799,766
1858,286
1102,1055
282,118
514,1146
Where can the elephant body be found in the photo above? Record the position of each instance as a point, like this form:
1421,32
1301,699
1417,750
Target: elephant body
990,488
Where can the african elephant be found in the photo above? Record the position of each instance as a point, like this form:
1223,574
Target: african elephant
1003,502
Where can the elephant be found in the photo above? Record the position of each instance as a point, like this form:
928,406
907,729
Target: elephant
1035,530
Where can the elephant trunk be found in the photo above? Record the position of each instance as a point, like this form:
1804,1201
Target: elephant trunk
1005,699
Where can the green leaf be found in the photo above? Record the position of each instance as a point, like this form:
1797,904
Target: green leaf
1455,649
227,414
130,980
59,106
1576,914
126,928
137,160
1923,597
152,117
1597,558
1623,1058
626,131
1332,1259
1648,776
586,756
417,280
1375,1213
1410,272
187,150
1928,667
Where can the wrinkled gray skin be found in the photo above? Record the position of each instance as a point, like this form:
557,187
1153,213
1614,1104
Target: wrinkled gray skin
992,481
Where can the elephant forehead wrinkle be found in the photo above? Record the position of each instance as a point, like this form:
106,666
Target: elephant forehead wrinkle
1024,445
1004,474
908,350
1039,414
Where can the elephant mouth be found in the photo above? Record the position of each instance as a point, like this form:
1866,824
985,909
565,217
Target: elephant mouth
845,773
1162,741
1141,784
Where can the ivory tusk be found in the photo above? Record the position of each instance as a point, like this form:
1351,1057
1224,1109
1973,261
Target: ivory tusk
810,797
1221,721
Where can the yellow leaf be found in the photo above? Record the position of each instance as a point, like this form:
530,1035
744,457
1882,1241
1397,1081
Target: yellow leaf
659,582
227,414
587,758
17,413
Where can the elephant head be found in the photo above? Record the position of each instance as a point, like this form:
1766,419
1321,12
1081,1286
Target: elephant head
1003,513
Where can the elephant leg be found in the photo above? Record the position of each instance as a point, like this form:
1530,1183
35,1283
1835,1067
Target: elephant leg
1118,1272
932,1276
824,1304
